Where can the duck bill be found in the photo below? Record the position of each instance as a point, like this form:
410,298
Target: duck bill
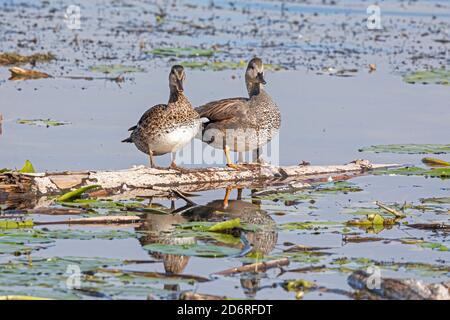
180,86
260,78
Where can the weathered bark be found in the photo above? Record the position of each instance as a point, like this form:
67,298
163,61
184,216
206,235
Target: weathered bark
399,289
160,180
255,267
198,296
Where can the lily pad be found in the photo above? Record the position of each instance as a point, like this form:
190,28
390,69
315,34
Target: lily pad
437,76
372,220
42,122
415,171
198,250
115,68
11,224
225,225
443,200
337,187
224,65
409,148
182,52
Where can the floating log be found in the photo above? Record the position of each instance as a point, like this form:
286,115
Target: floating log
399,289
255,267
142,177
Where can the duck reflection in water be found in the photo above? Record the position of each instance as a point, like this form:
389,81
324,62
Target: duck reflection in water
159,229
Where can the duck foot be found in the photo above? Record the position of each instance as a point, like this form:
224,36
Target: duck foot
236,166
180,169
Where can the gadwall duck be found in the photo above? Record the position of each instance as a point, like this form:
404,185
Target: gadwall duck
166,128
242,124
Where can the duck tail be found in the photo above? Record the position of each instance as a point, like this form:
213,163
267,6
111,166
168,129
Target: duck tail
128,140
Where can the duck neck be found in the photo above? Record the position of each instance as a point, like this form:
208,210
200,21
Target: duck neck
175,95
254,89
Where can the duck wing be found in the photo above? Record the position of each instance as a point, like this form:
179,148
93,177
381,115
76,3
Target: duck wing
225,109
149,120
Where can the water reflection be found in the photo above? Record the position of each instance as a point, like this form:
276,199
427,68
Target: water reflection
160,229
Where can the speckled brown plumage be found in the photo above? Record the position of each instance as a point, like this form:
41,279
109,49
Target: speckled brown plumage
165,128
243,124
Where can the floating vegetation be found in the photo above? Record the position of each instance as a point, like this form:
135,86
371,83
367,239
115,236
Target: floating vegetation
225,225
27,167
308,225
409,148
76,193
115,68
42,122
10,58
220,66
22,74
337,187
435,162
372,220
11,224
436,76
47,278
182,52
442,173
198,250
443,200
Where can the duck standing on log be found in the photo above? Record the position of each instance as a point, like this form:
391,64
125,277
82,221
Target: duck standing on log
166,128
242,124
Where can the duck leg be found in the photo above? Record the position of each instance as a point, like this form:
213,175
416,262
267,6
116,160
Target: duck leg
227,196
174,166
150,156
257,158
239,194
230,163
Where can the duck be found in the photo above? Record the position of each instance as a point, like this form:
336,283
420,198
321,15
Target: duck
242,124
166,128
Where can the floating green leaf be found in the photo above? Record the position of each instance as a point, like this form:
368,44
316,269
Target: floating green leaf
372,220
115,68
199,250
434,246
182,52
415,171
76,193
436,76
27,167
307,225
225,225
42,122
409,148
220,66
11,224
337,187
443,200
435,162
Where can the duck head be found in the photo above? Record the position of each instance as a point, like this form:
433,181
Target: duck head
254,76
176,79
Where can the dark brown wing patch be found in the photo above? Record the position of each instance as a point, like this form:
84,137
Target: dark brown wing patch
224,109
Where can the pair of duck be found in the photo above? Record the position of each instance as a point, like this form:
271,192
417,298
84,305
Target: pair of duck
234,124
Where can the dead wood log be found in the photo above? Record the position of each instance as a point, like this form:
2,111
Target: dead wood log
189,295
399,289
160,180
255,267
